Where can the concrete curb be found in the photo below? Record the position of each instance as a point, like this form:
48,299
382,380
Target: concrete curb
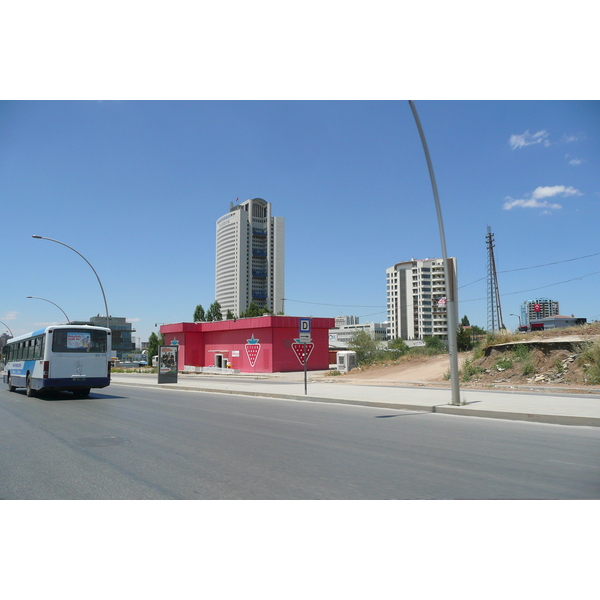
464,411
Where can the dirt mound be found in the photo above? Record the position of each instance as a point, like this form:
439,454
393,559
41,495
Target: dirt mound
551,361
535,366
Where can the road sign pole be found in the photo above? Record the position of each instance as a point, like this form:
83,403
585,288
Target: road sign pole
305,361
304,336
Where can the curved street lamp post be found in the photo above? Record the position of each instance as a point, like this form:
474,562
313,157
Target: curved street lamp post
450,303
57,306
7,327
39,237
518,317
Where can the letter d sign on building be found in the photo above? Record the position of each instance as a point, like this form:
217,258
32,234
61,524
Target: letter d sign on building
304,330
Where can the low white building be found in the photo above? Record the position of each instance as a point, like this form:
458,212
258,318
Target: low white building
341,336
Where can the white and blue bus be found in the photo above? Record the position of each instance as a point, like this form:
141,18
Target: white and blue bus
74,358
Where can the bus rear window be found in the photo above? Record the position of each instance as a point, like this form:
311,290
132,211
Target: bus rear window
78,340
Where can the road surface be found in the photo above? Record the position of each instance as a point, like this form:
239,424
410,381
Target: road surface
139,443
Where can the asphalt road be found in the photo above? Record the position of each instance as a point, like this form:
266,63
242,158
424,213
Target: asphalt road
139,443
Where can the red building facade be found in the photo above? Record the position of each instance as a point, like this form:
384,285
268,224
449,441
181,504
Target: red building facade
266,344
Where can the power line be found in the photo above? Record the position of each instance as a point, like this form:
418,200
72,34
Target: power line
534,267
549,264
340,305
539,288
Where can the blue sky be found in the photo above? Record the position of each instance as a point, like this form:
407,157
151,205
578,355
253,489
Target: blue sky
137,186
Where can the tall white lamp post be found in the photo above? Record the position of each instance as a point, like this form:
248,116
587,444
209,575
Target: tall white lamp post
450,301
39,237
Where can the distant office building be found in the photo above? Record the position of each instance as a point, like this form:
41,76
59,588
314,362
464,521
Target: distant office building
250,258
540,308
555,322
121,333
343,321
341,336
416,298
3,339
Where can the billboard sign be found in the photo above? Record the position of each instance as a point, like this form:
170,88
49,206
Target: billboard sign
167,364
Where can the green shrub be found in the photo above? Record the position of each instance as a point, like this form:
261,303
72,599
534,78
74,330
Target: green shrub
435,343
469,370
590,359
478,352
528,368
521,351
504,363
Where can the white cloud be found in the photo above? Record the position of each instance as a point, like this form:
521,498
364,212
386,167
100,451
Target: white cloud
530,203
537,198
571,138
573,160
554,190
11,315
133,320
528,139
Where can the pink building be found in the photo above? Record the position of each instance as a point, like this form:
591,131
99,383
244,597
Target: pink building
255,345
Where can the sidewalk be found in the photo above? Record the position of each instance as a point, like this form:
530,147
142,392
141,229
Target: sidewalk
559,408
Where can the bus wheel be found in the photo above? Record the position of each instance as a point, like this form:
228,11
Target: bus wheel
84,393
30,391
11,387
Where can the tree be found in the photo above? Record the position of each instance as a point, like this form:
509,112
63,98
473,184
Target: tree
365,346
230,316
435,343
214,312
199,314
255,311
398,346
465,321
463,340
154,342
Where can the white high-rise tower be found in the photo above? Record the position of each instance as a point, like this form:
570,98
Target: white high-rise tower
250,258
416,298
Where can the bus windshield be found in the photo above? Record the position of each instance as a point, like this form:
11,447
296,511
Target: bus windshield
78,340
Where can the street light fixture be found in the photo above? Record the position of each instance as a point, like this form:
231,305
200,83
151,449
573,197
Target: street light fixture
450,309
7,327
39,237
518,317
57,306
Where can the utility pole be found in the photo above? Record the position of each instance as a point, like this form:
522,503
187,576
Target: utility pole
494,315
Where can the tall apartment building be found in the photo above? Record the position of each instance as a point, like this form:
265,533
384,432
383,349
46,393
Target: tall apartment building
416,293
250,258
540,308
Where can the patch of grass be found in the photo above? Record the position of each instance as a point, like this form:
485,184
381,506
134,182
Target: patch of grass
492,339
469,370
521,352
590,360
528,368
478,351
504,363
